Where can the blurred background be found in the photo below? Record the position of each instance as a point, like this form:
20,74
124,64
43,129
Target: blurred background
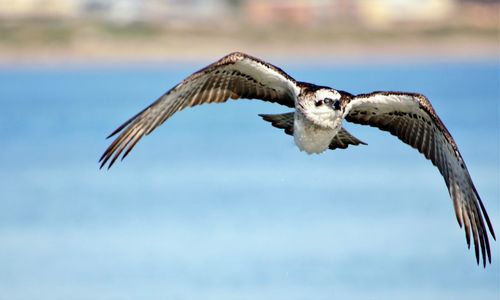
153,30
217,204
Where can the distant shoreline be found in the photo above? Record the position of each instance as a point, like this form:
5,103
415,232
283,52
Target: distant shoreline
356,54
91,53
80,46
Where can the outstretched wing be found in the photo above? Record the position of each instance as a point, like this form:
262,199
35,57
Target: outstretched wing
236,75
413,120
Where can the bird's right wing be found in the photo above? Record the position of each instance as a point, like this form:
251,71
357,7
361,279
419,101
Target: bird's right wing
235,76
413,120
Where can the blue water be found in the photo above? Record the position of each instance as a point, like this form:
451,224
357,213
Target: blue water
217,204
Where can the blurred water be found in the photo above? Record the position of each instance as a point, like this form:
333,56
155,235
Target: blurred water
217,204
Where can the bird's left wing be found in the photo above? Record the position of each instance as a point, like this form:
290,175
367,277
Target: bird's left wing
413,120
236,75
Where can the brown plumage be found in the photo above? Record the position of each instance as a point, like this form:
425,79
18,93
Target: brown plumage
234,76
409,116
415,122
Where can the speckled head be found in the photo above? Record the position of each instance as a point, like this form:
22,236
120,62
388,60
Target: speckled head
321,106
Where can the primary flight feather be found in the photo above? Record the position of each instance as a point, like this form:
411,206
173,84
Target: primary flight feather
316,125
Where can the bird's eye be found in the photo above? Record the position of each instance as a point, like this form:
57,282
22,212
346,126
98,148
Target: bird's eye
318,103
328,101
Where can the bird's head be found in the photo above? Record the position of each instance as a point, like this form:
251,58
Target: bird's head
322,107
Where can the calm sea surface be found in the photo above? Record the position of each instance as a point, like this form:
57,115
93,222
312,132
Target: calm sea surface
217,204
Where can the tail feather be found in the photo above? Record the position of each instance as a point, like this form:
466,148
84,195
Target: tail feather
285,121
343,139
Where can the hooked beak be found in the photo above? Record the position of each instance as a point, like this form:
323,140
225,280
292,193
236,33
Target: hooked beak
336,105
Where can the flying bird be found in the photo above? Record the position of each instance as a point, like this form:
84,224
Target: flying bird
316,124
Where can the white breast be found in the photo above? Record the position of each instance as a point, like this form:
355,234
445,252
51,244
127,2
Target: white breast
311,138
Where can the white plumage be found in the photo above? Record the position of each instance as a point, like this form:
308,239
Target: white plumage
316,124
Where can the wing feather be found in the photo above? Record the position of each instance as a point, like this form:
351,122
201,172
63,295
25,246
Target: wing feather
413,120
236,75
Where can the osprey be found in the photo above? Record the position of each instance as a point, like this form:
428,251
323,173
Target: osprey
316,124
